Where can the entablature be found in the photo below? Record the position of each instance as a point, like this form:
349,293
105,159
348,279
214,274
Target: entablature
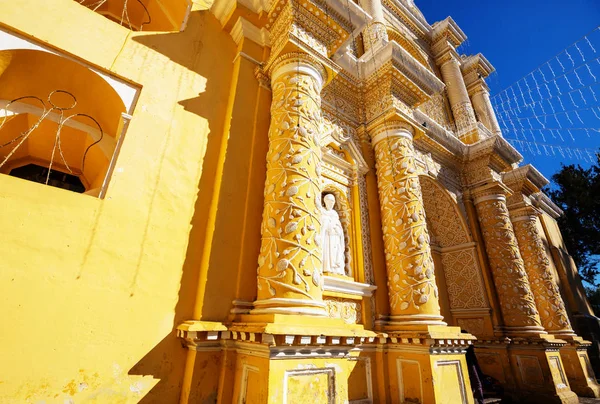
523,181
446,35
485,160
408,17
543,202
475,69
395,79
342,98
317,25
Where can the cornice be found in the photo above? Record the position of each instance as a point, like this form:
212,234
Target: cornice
543,202
495,145
525,179
475,70
478,63
438,134
406,65
403,14
449,31
223,9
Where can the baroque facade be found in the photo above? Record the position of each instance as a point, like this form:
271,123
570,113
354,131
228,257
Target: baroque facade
164,171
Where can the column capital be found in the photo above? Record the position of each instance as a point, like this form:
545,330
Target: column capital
296,24
523,181
447,55
391,129
495,190
487,158
446,35
300,63
476,68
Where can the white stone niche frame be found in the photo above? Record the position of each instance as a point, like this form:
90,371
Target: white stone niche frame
128,93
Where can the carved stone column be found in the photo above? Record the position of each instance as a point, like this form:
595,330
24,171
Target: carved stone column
412,289
485,111
524,182
289,265
475,69
375,35
545,289
512,285
462,110
446,37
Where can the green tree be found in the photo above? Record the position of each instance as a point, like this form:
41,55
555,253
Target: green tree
593,295
577,192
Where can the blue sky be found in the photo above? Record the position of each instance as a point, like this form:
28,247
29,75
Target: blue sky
517,37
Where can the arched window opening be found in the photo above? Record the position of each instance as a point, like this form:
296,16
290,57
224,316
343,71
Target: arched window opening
143,15
59,121
54,178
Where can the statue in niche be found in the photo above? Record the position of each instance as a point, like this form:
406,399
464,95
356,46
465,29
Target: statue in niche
332,235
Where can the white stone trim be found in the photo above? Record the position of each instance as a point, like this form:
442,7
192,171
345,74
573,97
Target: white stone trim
298,67
339,285
489,198
369,377
246,369
107,144
396,133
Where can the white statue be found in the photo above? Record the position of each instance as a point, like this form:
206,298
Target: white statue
332,235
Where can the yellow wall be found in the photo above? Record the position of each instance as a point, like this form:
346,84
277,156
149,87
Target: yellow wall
92,289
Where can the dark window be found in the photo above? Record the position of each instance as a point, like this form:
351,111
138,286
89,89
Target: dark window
35,173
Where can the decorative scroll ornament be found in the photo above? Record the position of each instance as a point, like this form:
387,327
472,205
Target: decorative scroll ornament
46,111
411,279
545,290
512,285
290,260
125,21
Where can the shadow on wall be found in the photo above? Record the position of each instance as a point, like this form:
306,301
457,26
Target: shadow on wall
208,51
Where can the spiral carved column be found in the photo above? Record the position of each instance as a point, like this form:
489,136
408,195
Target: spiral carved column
290,277
413,293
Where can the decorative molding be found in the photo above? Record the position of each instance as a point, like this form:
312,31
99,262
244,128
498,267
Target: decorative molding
340,285
448,31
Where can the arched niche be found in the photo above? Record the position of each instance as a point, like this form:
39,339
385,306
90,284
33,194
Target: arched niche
456,260
342,207
143,15
58,113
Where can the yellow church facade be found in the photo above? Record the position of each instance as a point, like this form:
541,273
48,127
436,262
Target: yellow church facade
254,201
